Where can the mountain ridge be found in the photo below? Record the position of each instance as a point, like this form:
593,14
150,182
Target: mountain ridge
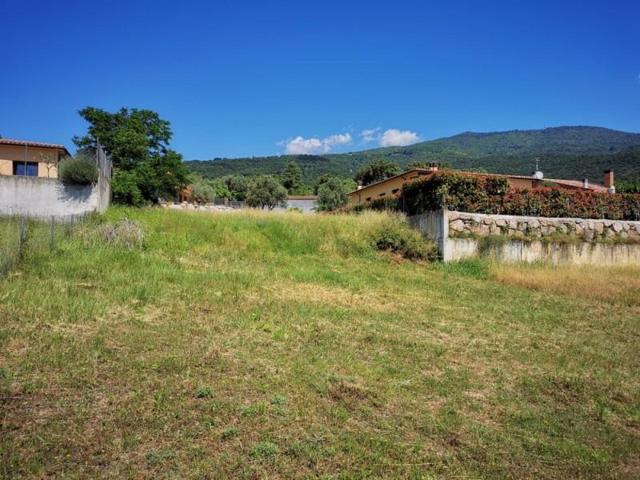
563,152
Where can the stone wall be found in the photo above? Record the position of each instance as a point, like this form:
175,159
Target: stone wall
463,225
509,238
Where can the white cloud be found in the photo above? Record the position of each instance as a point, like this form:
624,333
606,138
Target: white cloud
308,146
303,146
339,139
398,138
370,134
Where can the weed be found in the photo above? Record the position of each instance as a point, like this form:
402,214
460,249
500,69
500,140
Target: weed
156,457
230,432
204,392
265,450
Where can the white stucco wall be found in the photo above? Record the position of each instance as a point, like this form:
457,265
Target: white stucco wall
45,197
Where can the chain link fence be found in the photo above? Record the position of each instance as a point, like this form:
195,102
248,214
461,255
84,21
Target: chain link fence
21,236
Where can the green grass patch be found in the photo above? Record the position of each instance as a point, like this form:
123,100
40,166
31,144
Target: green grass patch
251,345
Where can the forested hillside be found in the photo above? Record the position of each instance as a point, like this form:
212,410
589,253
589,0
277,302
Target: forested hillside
563,152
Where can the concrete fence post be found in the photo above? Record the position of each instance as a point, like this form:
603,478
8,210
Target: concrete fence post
444,245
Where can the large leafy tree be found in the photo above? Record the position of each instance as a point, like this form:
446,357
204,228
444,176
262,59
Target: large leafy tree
266,192
376,171
145,168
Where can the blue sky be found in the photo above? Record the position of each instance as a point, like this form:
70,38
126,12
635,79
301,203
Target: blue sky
240,78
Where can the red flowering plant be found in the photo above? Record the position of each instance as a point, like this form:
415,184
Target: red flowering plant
491,194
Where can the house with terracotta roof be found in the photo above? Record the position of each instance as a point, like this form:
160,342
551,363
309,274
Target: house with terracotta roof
392,187
30,159
29,183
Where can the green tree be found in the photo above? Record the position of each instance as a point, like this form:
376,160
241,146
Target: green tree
631,186
348,183
266,191
332,194
125,189
425,164
292,177
137,141
238,185
376,171
206,190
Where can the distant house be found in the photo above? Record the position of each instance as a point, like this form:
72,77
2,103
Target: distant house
392,187
30,159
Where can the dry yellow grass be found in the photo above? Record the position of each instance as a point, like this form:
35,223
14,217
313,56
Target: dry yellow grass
610,284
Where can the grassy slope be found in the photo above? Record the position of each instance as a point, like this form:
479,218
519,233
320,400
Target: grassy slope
249,345
564,152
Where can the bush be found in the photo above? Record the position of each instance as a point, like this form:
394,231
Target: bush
124,234
78,171
454,191
394,235
202,191
491,195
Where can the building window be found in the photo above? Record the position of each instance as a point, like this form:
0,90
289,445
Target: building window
25,169
382,194
395,190
368,199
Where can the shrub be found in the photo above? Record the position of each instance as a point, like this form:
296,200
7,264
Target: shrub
394,235
124,234
385,204
486,194
454,191
202,192
78,171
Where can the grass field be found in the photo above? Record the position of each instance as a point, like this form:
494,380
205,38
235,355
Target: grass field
250,345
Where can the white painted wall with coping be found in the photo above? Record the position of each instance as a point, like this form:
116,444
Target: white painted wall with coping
49,198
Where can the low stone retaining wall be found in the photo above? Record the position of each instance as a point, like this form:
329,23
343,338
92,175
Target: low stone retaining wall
463,224
510,238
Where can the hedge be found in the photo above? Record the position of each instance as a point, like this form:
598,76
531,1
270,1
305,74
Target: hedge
487,194
78,171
